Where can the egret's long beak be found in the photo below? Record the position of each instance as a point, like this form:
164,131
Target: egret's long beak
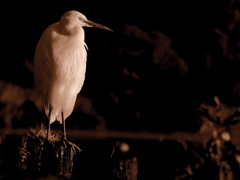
93,24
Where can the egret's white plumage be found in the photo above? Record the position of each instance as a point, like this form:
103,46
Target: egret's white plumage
60,64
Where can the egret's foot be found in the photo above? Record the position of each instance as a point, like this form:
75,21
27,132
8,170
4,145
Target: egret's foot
74,146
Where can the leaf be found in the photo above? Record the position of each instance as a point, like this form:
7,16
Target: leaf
231,117
233,122
204,112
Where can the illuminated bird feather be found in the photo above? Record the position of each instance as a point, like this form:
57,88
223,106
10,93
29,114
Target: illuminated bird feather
60,64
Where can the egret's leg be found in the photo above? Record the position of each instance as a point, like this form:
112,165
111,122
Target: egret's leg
65,137
64,128
48,130
49,123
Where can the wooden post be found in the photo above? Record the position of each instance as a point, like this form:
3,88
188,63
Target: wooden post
32,156
123,165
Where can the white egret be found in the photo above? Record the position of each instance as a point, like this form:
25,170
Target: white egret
60,65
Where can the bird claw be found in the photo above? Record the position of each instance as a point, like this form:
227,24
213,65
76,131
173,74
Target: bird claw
74,146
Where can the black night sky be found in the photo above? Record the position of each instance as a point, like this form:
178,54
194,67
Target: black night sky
163,60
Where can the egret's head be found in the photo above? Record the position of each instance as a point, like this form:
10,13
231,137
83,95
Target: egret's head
75,18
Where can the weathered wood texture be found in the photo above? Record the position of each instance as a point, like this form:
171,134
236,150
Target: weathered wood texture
30,157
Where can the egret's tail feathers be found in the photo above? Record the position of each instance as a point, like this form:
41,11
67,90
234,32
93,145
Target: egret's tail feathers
54,118
52,115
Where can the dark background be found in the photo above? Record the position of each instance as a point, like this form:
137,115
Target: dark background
128,86
164,60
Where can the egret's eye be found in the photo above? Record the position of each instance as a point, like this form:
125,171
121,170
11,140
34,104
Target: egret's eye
81,19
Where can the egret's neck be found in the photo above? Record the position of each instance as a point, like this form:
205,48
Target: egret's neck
66,29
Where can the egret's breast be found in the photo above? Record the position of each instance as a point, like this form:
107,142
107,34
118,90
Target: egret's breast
70,58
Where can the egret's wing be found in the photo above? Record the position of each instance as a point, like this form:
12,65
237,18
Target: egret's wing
44,68
43,71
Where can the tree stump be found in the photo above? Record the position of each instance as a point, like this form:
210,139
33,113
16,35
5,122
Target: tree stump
33,156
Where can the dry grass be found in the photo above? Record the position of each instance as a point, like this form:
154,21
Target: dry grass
41,132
